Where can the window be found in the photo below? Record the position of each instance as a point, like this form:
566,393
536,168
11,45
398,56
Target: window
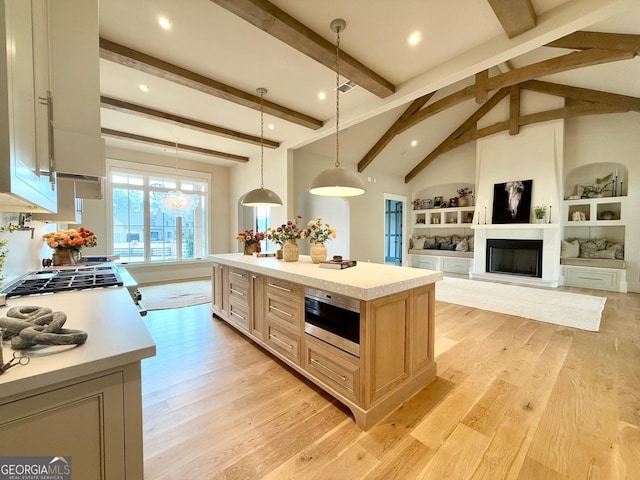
142,231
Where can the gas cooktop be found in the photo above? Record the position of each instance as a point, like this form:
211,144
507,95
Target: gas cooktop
64,279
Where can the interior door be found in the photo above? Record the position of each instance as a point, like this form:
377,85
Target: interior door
393,232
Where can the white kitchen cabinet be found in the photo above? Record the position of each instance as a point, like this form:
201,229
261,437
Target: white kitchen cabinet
69,206
75,83
27,173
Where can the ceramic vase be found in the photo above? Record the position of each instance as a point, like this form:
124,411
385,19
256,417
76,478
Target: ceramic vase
249,249
463,201
279,253
318,253
290,251
66,256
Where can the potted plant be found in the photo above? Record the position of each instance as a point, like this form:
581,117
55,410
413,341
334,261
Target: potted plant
597,188
539,212
463,196
319,233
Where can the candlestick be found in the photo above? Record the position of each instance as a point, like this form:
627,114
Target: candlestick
478,217
485,213
549,213
614,190
550,198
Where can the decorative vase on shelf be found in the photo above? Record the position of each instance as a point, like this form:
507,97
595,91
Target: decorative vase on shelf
318,253
290,251
463,201
250,249
66,256
279,253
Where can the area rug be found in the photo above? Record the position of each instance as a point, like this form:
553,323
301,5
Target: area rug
546,305
176,294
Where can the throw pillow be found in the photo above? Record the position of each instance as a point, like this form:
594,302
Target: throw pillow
451,247
418,242
606,253
470,242
619,249
462,246
588,249
443,240
457,238
432,246
570,249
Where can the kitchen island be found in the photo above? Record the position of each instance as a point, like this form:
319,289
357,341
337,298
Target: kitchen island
82,402
264,298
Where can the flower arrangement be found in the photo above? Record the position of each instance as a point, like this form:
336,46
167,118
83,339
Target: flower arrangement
3,254
249,237
288,231
464,192
319,232
72,239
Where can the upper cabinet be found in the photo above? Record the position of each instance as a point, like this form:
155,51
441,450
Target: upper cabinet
27,170
75,83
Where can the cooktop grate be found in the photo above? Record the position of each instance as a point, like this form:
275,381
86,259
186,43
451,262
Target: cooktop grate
52,281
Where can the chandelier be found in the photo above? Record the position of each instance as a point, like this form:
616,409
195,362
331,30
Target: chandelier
176,203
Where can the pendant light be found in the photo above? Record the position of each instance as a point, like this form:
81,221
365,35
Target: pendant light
261,197
175,203
337,181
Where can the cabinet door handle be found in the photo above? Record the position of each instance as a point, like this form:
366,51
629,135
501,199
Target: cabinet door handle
236,292
254,276
273,337
237,315
271,307
280,288
236,274
48,101
316,362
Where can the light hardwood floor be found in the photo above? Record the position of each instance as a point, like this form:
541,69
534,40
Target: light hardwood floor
513,399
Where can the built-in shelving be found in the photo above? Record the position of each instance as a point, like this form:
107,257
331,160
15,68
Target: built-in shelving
589,212
443,217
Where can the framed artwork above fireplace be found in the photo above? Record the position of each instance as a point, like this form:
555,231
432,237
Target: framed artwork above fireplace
512,201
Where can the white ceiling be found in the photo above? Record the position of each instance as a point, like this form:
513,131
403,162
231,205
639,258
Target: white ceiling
460,38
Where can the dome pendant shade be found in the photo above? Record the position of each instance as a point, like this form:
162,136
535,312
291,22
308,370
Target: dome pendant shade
261,197
337,182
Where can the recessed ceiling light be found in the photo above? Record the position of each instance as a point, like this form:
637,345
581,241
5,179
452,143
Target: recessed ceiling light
414,143
414,38
271,126
322,95
164,23
144,88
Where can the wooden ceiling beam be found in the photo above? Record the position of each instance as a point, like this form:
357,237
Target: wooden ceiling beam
279,24
107,132
152,114
515,16
154,66
390,134
563,63
607,41
585,94
468,123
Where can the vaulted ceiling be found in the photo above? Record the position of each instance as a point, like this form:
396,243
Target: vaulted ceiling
202,73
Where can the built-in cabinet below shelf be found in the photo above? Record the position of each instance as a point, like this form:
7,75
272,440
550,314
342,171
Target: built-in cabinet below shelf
443,217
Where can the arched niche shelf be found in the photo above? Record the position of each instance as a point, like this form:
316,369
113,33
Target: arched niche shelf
585,175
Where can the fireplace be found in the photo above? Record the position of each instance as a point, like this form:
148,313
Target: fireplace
514,257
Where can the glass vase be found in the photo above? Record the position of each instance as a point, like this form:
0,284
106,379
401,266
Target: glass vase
318,253
290,251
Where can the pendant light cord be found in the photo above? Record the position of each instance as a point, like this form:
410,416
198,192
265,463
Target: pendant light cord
262,92
337,96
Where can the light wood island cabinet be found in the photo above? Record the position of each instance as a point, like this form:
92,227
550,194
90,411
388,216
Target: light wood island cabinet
396,326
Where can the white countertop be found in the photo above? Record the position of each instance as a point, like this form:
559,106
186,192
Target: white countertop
117,336
365,281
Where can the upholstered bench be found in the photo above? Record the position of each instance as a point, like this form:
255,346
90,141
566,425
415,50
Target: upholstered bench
589,269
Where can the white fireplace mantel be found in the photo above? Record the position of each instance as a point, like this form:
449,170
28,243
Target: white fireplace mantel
549,233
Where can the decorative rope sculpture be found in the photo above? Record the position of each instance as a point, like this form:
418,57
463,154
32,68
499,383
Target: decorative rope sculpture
27,326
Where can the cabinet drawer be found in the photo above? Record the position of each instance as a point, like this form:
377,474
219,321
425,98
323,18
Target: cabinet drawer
284,312
239,287
239,315
332,366
455,265
429,263
591,278
284,342
284,289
